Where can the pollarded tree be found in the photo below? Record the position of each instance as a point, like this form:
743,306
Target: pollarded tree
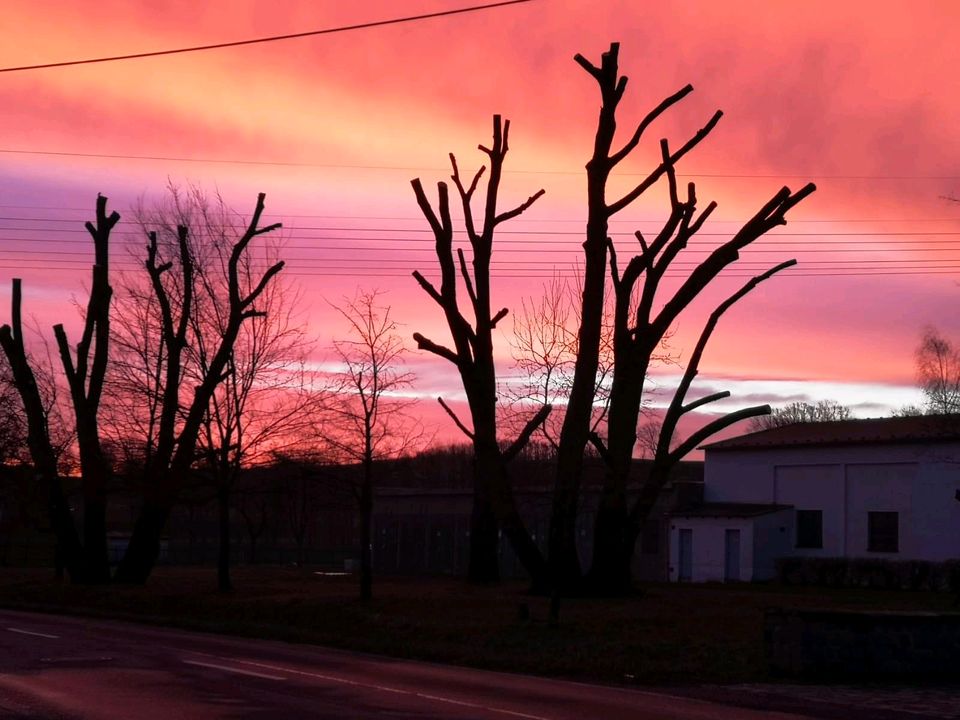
576,431
494,507
179,418
85,370
639,328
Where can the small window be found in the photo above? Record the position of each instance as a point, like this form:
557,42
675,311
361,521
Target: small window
809,528
883,532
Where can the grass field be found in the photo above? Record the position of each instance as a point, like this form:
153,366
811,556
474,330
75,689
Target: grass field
669,635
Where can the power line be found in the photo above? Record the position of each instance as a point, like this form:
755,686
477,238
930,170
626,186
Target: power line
271,38
516,171
521,219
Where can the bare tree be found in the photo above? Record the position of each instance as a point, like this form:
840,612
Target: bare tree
13,424
639,329
576,432
938,373
801,412
371,419
494,507
545,348
86,560
171,449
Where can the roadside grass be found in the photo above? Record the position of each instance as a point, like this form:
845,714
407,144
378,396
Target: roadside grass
668,635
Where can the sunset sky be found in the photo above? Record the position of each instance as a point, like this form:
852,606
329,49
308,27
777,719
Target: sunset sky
861,98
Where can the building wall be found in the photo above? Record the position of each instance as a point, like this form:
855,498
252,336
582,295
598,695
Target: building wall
709,547
773,537
916,481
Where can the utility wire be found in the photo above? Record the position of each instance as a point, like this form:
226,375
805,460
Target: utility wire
521,219
271,38
347,166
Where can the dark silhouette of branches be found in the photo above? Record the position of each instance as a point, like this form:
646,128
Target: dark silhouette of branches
369,418
642,318
178,284
938,373
494,507
801,412
85,371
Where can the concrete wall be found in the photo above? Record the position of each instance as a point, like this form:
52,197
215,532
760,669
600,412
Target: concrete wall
917,481
773,537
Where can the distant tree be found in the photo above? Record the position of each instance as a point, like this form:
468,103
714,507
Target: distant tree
544,346
494,507
801,412
370,418
938,373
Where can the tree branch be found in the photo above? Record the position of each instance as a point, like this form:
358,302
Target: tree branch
623,202
716,426
651,116
532,424
430,346
453,416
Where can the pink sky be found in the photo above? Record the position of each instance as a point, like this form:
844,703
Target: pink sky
809,92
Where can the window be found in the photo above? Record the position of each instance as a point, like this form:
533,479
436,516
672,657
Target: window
883,531
809,528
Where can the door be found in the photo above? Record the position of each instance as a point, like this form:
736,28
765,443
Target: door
731,570
686,555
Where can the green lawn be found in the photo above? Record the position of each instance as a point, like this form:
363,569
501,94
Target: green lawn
670,634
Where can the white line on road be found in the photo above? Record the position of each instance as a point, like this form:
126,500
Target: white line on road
239,671
345,681
31,632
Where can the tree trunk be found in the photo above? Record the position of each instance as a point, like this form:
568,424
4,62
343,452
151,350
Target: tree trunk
366,531
610,572
224,583
144,548
484,563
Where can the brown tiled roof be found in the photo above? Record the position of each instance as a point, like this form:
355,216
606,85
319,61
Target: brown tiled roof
728,510
872,431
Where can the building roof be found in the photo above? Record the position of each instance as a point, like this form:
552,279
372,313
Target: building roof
728,510
872,431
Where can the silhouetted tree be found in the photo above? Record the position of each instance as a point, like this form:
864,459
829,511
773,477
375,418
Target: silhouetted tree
172,450
472,354
370,418
801,412
639,329
544,348
86,561
938,373
13,424
576,430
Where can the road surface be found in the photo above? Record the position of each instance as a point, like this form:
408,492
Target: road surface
59,667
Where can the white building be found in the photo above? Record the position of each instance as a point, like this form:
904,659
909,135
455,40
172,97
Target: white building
881,488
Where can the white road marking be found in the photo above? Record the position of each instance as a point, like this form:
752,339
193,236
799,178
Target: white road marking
31,632
400,691
239,671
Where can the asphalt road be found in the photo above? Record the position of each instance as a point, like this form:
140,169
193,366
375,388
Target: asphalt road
58,667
